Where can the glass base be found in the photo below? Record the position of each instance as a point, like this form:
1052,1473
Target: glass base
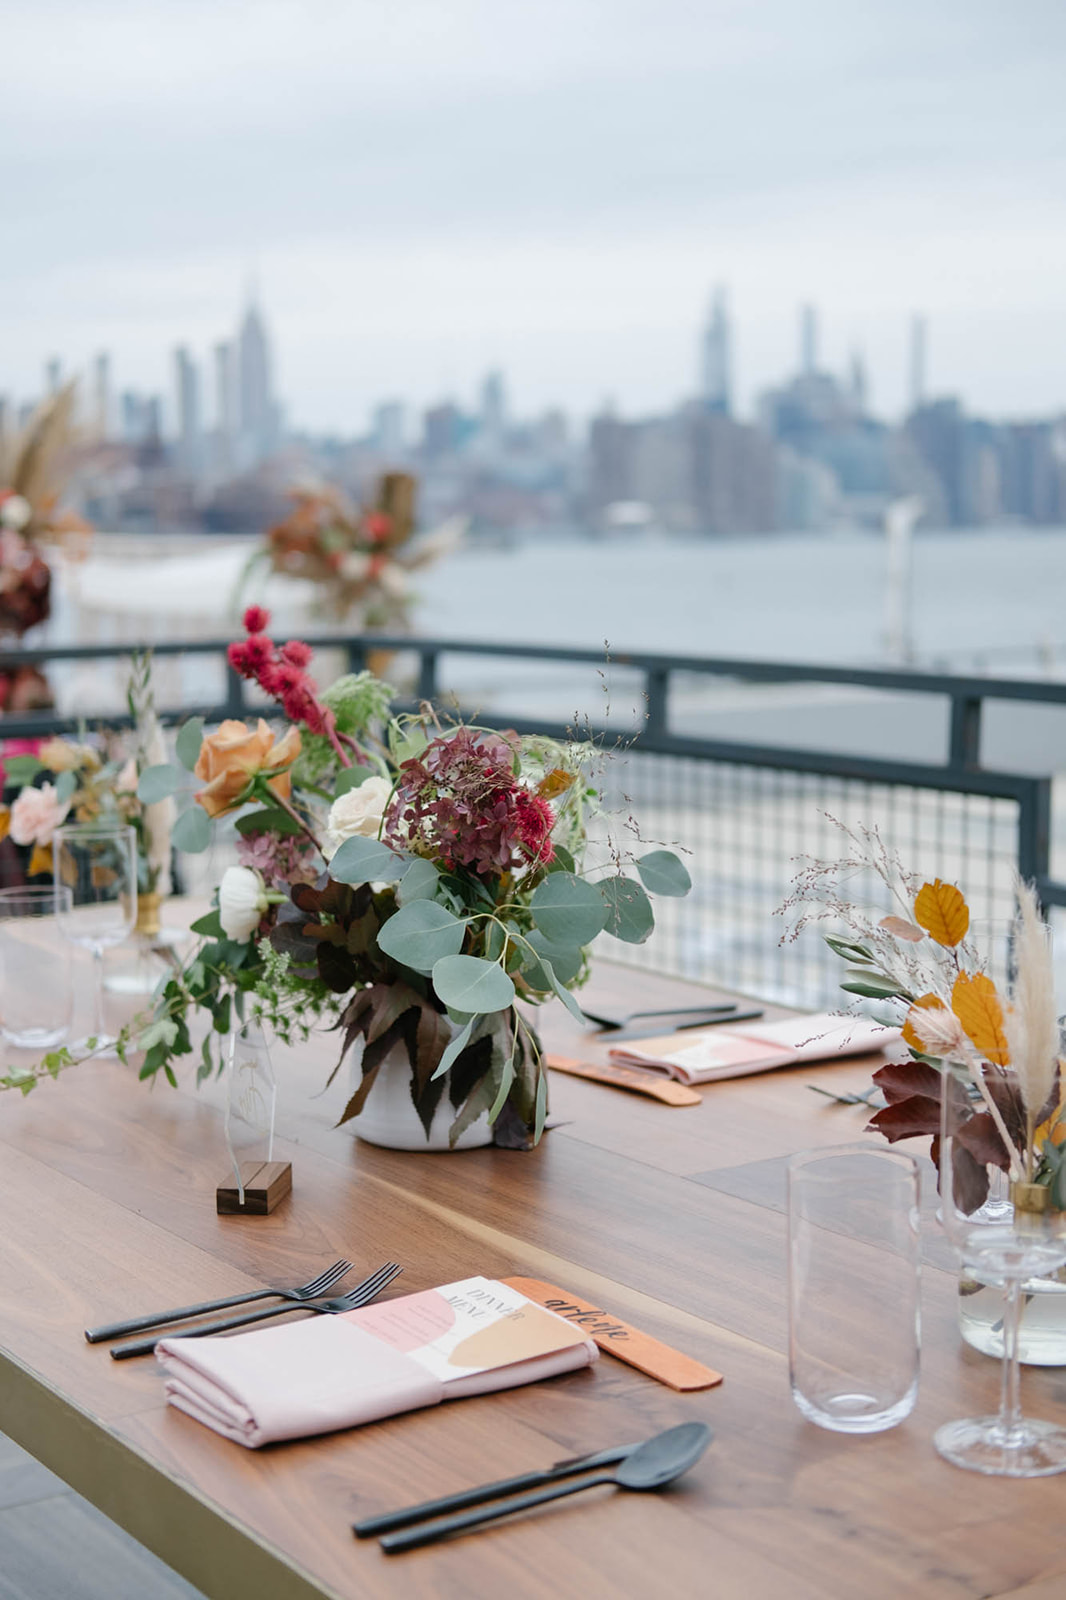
856,1412
981,1444
35,1038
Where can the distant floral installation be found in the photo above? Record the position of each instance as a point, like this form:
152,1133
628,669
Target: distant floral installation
402,881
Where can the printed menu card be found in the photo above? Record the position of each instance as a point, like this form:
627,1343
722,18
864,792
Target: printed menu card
704,1057
336,1371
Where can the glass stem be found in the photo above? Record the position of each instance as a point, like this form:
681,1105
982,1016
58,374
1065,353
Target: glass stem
1011,1426
98,1029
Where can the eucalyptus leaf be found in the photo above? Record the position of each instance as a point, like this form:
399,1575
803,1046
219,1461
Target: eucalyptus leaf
158,783
454,1050
566,959
541,1110
419,882
663,873
567,910
22,769
629,911
192,831
271,819
66,784
506,1080
872,985
565,996
360,860
466,983
420,934
187,744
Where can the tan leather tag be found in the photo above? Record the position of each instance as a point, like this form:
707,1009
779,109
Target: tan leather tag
664,1089
618,1338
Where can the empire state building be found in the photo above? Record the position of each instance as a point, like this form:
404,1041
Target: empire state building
257,411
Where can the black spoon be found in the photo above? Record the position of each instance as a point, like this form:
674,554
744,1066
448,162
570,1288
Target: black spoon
653,1464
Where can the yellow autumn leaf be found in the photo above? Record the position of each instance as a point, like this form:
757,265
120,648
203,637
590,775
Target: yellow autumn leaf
976,1003
1053,1128
555,782
942,912
911,1035
40,860
5,821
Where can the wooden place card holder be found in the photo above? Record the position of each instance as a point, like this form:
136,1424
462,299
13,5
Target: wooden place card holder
266,1183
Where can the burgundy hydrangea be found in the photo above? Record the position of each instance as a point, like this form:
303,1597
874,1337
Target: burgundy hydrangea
280,859
461,804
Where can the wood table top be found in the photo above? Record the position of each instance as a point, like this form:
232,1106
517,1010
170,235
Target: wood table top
670,1218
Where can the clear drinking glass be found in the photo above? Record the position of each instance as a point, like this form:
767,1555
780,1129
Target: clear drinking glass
97,862
854,1271
984,1131
251,1099
36,998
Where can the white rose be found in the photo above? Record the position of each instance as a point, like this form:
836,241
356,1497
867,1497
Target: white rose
242,900
15,512
358,812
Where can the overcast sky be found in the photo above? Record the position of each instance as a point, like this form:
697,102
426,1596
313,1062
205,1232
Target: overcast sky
425,188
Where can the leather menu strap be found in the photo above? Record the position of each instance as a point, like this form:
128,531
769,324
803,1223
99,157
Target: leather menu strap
619,1339
642,1082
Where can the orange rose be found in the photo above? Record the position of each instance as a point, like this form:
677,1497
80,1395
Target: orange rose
230,758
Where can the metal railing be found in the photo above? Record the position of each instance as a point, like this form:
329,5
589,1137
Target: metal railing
961,818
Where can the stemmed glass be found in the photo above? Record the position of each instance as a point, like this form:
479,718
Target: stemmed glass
98,863
985,1131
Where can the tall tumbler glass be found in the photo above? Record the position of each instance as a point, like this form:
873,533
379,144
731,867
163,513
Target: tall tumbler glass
36,998
98,863
854,1272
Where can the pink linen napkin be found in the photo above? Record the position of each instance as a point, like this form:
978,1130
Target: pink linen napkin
338,1371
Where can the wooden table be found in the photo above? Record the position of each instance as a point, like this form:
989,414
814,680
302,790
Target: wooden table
670,1218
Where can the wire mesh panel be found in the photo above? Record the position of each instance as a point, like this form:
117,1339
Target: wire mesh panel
745,831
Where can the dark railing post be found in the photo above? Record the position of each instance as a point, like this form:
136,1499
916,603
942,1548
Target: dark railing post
356,657
657,697
965,745
427,674
235,706
1034,835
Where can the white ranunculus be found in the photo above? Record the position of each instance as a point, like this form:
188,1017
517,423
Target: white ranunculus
242,900
15,512
358,812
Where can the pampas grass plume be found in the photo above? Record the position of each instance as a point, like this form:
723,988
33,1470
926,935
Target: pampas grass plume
1031,1021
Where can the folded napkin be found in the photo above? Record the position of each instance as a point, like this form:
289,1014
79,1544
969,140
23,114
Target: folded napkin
338,1371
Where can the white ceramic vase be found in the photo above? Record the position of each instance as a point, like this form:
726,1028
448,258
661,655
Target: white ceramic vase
389,1117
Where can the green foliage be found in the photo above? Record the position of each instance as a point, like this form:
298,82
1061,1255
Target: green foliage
360,703
661,872
158,783
192,831
360,860
467,983
189,739
629,911
420,934
567,910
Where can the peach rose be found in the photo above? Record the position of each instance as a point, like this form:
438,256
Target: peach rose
233,754
36,815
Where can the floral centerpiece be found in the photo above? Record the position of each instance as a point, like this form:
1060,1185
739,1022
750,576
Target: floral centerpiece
33,466
995,1052
359,557
405,883
85,781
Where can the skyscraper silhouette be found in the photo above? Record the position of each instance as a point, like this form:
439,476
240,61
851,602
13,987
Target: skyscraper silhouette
717,383
256,405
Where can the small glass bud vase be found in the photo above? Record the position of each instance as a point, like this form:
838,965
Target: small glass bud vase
251,1100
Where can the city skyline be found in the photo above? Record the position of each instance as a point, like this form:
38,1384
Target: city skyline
227,386
429,192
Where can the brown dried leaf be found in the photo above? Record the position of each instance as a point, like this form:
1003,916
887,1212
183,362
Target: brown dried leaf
900,928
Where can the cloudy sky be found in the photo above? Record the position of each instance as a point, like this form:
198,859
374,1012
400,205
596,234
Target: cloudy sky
425,188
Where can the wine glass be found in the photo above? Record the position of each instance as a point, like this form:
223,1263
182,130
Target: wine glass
984,1132
98,862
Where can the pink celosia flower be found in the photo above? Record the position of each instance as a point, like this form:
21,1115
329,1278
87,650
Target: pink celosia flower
256,619
296,652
